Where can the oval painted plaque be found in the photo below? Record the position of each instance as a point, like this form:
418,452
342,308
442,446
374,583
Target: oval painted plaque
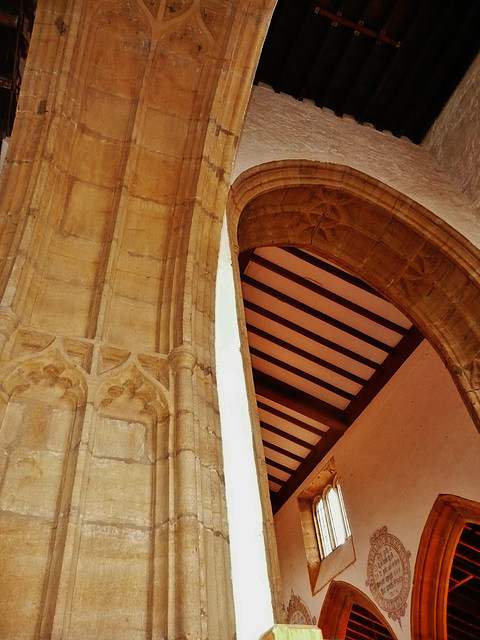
388,573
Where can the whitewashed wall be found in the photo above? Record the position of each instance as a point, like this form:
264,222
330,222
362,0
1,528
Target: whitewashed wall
455,137
278,127
414,442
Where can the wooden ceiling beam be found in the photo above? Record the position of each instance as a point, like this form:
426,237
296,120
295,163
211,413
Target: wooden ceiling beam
280,467
307,355
315,456
299,373
302,47
276,480
366,79
461,631
244,260
465,566
288,17
392,363
348,67
463,612
318,315
290,419
357,26
329,295
306,333
288,436
455,585
281,451
323,66
468,557
467,606
428,50
470,538
404,60
432,87
332,270
300,402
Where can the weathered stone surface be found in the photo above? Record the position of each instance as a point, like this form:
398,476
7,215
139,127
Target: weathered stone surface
113,520
112,507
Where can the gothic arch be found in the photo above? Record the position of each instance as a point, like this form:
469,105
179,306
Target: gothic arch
337,606
408,254
434,562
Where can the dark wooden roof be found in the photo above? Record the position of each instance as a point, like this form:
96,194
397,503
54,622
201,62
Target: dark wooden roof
390,63
16,21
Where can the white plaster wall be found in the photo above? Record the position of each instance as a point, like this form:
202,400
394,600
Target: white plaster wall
415,441
454,139
278,127
251,588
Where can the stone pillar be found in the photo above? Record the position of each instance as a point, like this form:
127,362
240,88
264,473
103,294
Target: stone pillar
112,506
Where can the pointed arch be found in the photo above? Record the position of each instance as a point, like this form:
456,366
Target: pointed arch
409,255
436,552
337,608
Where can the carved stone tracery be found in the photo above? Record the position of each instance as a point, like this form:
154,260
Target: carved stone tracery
130,397
49,378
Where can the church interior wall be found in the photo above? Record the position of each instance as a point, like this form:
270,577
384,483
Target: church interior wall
454,138
408,447
278,127
108,326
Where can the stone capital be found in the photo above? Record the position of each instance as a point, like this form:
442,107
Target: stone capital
183,357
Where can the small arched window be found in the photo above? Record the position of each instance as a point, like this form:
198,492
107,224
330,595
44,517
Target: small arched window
326,533
330,517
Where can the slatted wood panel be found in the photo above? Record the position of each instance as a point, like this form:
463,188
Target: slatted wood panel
390,63
363,625
322,345
463,606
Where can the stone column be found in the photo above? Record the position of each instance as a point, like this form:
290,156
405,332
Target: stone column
112,506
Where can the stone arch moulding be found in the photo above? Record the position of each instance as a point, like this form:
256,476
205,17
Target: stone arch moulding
407,253
434,561
337,605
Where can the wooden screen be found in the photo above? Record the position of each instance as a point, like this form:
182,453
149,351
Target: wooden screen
463,612
362,625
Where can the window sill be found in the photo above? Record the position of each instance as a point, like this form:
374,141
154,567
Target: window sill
336,562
